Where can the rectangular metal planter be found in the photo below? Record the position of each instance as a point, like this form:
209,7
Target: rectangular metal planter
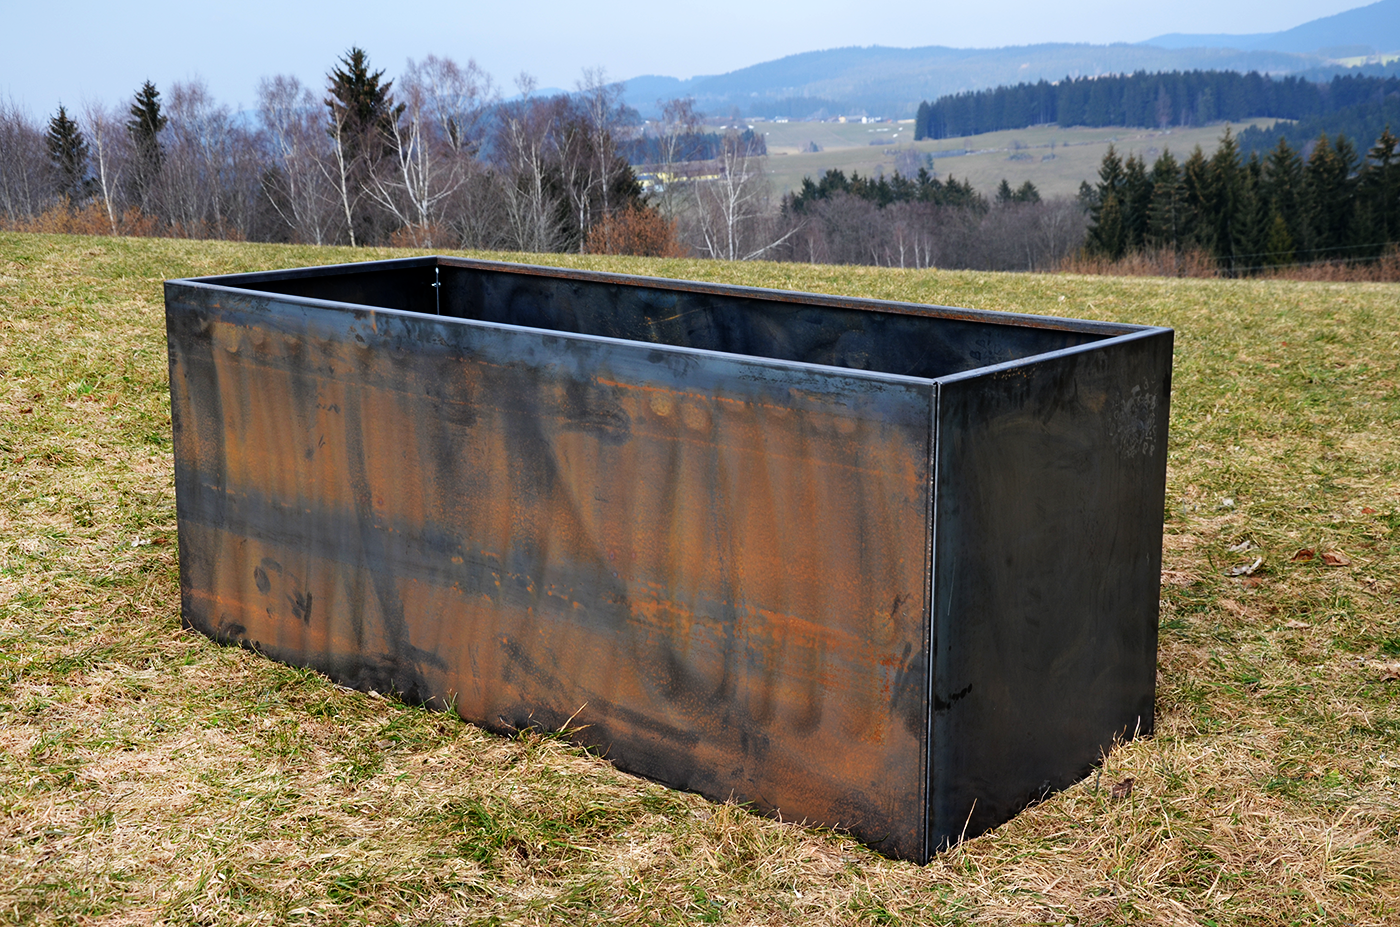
878,566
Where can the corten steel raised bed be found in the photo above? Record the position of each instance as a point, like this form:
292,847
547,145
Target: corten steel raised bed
886,567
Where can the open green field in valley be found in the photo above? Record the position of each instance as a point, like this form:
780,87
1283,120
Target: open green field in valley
1056,160
150,776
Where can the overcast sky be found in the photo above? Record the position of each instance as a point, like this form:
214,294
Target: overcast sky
72,52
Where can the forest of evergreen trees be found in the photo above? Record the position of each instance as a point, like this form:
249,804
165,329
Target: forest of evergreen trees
1366,119
1159,101
1250,215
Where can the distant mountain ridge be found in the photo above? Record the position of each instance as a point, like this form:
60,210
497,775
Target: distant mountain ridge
891,82
1375,27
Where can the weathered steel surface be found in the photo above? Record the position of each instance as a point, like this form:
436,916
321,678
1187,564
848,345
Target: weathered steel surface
817,554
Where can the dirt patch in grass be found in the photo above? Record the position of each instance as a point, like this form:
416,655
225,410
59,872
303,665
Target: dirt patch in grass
148,776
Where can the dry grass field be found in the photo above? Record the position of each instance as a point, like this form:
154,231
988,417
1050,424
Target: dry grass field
1017,155
149,776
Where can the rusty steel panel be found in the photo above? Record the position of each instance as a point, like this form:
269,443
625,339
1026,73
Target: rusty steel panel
702,522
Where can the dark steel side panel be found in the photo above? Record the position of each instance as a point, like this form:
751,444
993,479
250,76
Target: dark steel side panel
1050,479
861,338
715,566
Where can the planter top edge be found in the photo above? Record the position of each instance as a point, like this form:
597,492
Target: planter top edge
248,281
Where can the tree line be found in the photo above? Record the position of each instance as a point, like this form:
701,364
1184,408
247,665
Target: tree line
433,158
920,221
1250,215
1160,100
1367,118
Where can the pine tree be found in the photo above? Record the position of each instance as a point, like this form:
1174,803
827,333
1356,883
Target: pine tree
1379,186
1166,214
1107,236
144,127
1195,187
1283,189
362,122
1278,246
1254,217
362,105
1106,229
1137,202
68,151
1004,193
1329,198
1225,201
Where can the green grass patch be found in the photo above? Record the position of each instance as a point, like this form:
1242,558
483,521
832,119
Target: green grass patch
149,776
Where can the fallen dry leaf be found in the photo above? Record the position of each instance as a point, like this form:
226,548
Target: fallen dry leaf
1367,510
1333,558
1122,790
1389,670
1296,625
1304,555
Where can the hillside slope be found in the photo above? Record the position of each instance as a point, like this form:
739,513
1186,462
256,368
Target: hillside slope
890,82
1376,27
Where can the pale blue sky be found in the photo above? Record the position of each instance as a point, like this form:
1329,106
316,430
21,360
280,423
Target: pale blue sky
103,51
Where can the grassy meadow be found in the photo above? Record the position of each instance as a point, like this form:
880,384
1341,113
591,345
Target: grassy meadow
1017,155
149,776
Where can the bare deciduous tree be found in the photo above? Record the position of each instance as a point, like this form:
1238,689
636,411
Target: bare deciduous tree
209,171
341,167
433,145
734,219
677,130
297,182
23,164
532,203
110,151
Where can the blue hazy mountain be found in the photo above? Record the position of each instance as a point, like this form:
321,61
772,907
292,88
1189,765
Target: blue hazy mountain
1365,30
890,82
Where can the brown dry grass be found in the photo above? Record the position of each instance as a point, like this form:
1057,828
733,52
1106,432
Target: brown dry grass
1168,263
148,776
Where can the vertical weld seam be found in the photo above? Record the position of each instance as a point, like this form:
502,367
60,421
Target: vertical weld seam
931,624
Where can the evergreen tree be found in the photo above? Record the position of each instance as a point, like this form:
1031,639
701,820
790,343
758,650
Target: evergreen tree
1027,193
361,103
68,151
1106,229
1166,214
1329,198
1004,193
1254,218
1107,236
1283,189
1278,245
1225,206
144,127
1379,187
1196,194
1137,202
362,121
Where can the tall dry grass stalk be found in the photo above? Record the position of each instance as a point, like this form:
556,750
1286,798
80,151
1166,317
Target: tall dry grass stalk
1197,263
